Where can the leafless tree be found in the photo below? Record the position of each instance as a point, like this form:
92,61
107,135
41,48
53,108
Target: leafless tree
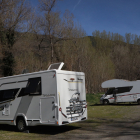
54,28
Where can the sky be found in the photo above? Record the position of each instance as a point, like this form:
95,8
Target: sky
117,16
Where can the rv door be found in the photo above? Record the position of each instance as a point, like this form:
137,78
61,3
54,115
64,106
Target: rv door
47,110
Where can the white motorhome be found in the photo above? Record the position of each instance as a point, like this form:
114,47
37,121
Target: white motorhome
51,97
121,91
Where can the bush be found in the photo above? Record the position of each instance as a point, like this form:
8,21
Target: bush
93,98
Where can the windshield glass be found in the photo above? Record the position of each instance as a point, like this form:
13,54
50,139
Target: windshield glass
109,91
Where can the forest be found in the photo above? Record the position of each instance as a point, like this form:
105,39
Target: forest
33,38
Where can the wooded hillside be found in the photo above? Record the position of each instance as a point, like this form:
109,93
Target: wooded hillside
34,38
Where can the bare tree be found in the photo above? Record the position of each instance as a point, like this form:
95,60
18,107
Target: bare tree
54,28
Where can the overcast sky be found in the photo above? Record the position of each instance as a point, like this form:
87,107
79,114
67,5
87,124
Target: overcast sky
118,16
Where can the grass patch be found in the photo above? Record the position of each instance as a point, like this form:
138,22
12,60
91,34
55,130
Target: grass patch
93,98
96,111
109,113
106,112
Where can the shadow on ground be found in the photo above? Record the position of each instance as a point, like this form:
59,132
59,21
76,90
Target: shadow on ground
116,130
51,130
123,131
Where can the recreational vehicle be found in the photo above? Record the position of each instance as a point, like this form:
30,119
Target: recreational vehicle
121,91
50,97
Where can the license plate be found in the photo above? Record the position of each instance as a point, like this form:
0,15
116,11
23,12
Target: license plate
74,118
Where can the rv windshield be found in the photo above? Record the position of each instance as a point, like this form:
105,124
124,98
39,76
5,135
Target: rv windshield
109,91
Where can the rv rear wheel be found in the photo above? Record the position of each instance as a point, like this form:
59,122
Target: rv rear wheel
21,125
105,102
138,102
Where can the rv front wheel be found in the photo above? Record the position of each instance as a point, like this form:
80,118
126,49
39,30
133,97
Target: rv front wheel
105,102
21,125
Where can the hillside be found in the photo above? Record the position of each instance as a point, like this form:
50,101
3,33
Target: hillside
100,58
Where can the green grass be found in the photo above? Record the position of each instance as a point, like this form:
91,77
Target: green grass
96,111
108,112
93,98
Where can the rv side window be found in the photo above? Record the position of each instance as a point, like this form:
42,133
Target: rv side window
22,93
8,94
33,86
124,89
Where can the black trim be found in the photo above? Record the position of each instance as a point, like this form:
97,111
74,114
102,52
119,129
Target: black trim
83,118
64,122
6,120
34,94
14,82
33,120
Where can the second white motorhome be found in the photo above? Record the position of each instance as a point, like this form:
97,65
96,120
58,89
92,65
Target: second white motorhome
121,91
51,97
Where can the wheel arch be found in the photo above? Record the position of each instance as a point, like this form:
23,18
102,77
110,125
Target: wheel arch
20,115
138,100
106,100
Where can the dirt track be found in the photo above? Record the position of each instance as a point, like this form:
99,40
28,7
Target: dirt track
112,131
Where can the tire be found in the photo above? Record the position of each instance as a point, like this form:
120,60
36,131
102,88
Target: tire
138,101
105,102
21,125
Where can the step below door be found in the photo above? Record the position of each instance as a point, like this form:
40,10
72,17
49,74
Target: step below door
47,110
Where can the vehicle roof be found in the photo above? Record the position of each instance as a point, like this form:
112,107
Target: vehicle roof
45,71
117,83
69,72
